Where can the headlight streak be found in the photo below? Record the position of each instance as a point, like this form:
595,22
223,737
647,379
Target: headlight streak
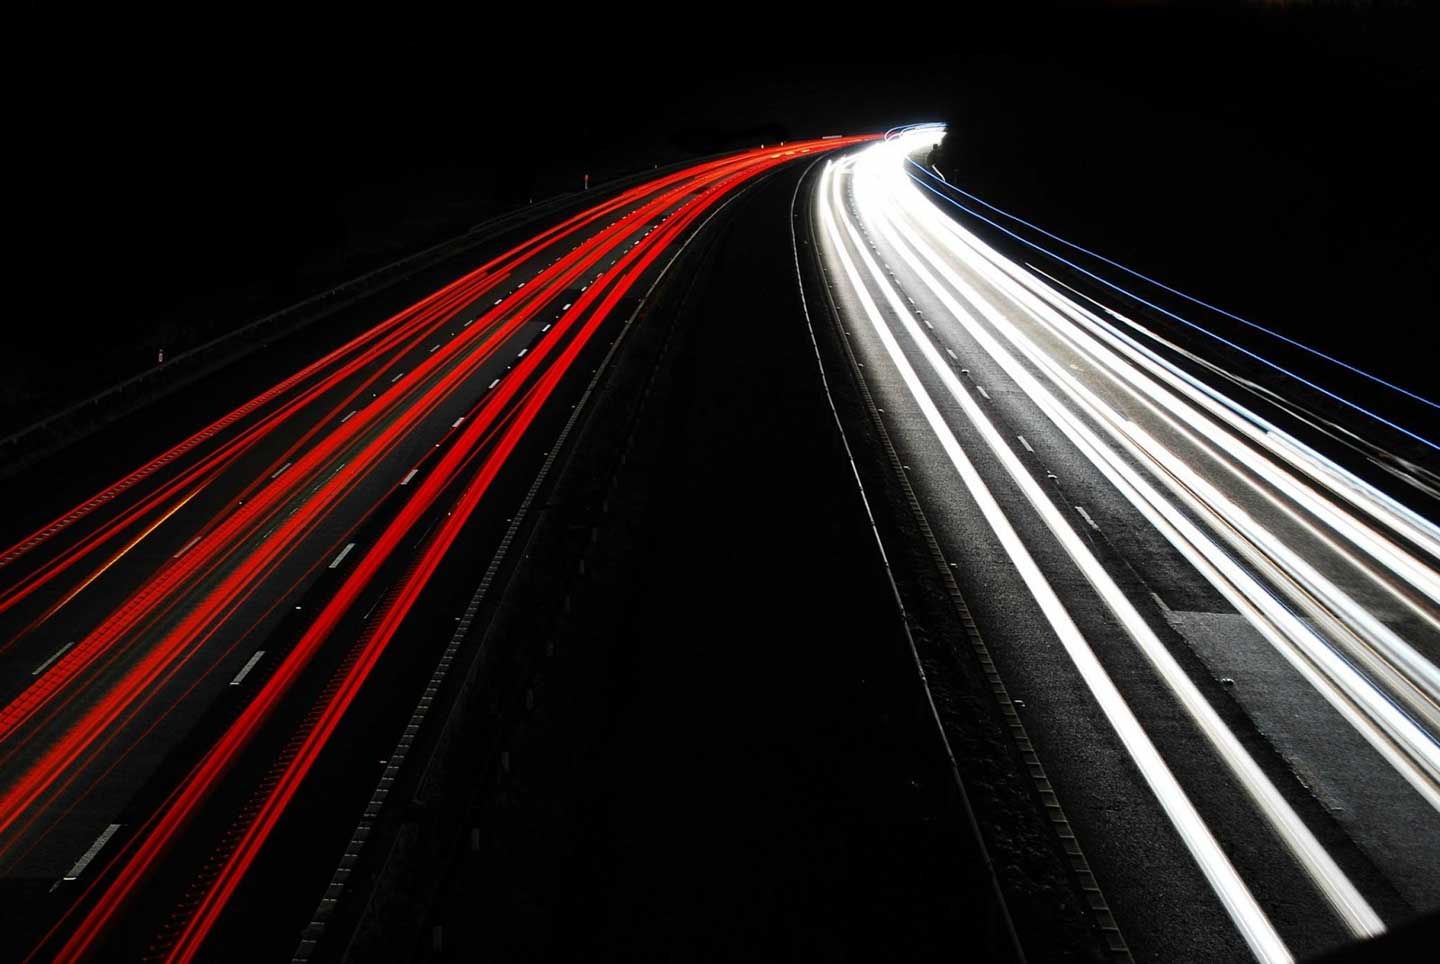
1239,903
1367,643
1164,287
1330,880
1354,406
1407,571
1333,478
1377,681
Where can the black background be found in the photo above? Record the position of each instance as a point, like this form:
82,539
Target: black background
174,179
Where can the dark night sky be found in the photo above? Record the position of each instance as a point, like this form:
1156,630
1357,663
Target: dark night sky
169,173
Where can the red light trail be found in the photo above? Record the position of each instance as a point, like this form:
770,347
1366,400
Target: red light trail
279,482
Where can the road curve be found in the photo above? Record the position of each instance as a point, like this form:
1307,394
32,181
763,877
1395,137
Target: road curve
1227,642
228,600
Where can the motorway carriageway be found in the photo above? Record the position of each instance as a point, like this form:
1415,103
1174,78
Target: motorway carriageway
1226,643
129,617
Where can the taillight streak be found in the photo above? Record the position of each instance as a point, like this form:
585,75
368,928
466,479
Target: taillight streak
634,263
45,772
135,859
554,278
467,288
111,732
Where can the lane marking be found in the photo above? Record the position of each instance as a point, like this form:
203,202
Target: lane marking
411,475
1025,443
280,471
397,378
433,348
456,423
494,383
46,665
249,665
347,417
186,548
981,390
94,850
1086,516
341,558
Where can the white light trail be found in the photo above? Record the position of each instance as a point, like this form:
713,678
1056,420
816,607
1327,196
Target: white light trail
1239,903
1366,641
1341,893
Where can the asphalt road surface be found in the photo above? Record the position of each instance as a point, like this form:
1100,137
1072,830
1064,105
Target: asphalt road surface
723,751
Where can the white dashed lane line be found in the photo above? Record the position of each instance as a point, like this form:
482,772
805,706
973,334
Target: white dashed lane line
249,665
46,665
90,854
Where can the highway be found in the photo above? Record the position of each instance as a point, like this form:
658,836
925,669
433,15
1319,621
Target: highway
1223,642
178,650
